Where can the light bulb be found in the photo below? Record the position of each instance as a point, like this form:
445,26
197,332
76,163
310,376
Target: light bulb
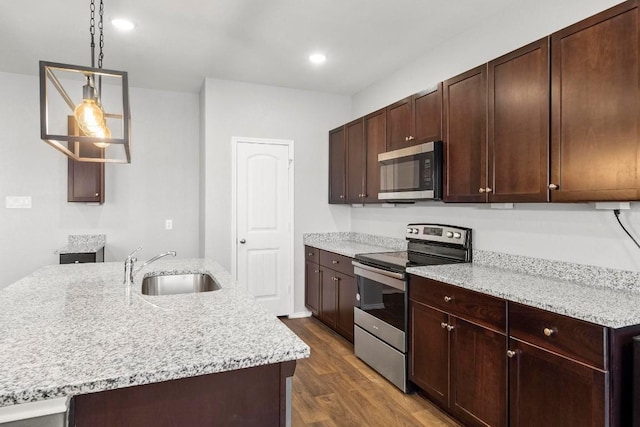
88,113
103,132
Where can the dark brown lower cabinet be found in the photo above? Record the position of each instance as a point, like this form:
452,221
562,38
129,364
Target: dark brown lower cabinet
328,297
459,365
330,289
312,286
346,301
245,397
550,390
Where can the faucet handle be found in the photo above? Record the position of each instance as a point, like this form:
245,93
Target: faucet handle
131,255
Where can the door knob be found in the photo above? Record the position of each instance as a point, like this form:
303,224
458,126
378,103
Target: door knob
243,241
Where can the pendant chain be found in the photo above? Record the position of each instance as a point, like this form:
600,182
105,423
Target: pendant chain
92,31
101,27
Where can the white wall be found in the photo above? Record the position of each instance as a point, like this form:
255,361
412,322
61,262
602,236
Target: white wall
160,183
568,232
258,111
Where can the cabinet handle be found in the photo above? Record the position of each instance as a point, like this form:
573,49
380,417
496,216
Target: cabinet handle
510,353
488,190
553,187
481,190
450,328
334,262
310,253
97,194
443,325
411,138
548,332
76,262
316,271
447,299
342,196
406,138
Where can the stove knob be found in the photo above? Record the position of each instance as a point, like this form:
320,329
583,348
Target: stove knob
457,235
409,230
415,231
449,234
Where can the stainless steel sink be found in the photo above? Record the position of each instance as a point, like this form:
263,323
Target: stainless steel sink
178,284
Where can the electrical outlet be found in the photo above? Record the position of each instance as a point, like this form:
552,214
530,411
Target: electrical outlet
168,224
18,202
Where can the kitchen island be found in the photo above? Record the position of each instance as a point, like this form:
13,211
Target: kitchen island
72,330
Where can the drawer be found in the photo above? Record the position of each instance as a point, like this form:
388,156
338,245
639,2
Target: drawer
475,307
77,258
336,262
573,338
312,254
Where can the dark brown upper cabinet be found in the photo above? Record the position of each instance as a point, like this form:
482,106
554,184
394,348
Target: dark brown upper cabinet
594,108
356,152
337,166
85,180
415,119
518,126
465,136
375,134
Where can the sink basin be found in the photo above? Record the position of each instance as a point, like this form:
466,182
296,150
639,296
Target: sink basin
178,284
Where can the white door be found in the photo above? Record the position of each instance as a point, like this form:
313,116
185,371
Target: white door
263,222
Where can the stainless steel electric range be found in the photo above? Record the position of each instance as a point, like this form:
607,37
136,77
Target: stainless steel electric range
381,312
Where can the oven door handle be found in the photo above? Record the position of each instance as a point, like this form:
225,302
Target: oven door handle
389,278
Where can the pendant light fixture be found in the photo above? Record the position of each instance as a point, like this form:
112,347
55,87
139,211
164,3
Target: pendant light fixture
105,95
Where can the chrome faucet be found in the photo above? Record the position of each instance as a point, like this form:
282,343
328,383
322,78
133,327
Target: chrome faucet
129,264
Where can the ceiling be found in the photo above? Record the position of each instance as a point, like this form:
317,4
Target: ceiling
177,43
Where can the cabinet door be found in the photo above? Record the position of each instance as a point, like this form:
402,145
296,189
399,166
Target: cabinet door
85,180
328,297
594,108
465,117
346,302
429,351
519,125
337,166
550,390
478,374
427,116
312,287
356,161
399,117
375,133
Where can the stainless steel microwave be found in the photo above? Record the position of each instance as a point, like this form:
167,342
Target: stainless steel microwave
412,173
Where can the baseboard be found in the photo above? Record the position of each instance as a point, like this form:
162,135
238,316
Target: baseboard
299,315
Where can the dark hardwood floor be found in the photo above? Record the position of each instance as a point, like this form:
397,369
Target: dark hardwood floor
335,388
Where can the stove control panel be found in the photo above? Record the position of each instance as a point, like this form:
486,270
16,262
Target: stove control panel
438,233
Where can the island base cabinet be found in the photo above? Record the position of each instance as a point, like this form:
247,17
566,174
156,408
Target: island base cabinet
258,396
550,390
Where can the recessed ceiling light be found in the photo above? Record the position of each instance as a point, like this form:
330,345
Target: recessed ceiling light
317,58
123,24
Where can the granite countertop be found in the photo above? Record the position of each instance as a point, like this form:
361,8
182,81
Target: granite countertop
349,244
83,244
72,329
602,296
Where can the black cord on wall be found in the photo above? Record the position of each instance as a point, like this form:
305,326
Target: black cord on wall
616,212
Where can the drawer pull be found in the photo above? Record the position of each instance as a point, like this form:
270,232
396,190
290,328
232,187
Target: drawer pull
450,328
334,262
310,253
443,325
548,332
510,353
448,299
316,271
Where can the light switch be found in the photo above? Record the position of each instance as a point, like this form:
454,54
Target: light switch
168,224
18,202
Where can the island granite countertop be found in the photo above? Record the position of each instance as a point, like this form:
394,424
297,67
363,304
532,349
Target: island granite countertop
72,329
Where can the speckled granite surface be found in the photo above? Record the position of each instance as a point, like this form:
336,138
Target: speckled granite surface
596,303
349,243
71,329
83,244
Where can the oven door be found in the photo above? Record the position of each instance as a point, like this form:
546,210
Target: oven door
413,173
382,304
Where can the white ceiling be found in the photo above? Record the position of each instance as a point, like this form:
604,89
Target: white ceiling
177,43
